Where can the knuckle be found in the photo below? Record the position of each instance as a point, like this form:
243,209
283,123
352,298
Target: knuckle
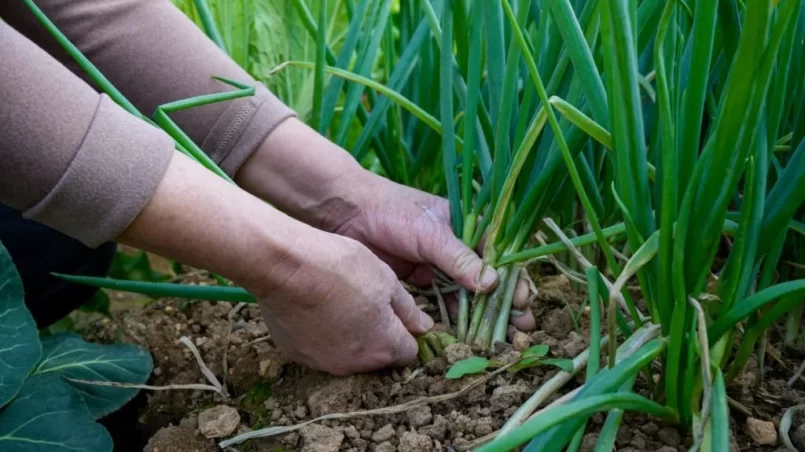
463,260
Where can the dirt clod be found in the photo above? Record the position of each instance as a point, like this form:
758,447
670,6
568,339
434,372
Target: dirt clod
761,432
415,442
588,442
557,323
798,436
178,439
667,449
574,345
457,352
506,396
384,434
521,341
437,430
218,422
669,436
318,438
337,396
419,416
386,447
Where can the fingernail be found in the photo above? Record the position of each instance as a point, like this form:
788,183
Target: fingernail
489,278
426,322
517,313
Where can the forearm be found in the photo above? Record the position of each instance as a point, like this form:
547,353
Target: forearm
307,176
200,220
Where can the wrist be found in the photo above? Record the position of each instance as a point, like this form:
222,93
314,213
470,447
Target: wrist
198,219
308,177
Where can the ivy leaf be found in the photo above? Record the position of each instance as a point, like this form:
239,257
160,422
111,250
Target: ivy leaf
467,366
538,351
48,416
69,356
562,363
19,337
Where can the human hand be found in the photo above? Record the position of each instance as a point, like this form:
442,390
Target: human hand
328,301
411,231
319,183
341,310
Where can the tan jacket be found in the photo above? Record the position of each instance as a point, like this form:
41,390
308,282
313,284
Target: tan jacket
74,160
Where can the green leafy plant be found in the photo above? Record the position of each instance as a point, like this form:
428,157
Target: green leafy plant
53,389
531,357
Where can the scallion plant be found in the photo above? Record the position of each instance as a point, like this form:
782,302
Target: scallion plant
655,140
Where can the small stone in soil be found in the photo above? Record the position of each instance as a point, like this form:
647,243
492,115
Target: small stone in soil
218,422
386,447
384,434
414,442
456,352
318,438
761,432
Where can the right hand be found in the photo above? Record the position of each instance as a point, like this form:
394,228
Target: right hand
340,309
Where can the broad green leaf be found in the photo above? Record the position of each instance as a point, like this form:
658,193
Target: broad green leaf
19,339
468,366
538,350
49,416
70,357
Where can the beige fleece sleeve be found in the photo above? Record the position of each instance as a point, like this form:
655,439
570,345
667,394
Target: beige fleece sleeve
154,55
74,160
70,158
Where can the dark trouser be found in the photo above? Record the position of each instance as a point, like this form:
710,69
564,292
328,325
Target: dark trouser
37,251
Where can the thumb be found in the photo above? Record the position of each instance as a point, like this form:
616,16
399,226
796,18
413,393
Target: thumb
451,256
414,320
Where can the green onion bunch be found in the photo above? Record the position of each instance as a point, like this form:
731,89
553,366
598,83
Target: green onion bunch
659,143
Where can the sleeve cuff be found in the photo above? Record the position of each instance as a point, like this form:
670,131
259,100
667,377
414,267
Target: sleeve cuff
241,129
113,175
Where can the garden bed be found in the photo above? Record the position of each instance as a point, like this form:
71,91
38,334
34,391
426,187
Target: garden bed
267,391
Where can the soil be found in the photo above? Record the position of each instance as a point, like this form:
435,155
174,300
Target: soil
266,390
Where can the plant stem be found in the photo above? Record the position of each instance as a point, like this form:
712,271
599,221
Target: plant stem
463,322
492,308
477,314
502,321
